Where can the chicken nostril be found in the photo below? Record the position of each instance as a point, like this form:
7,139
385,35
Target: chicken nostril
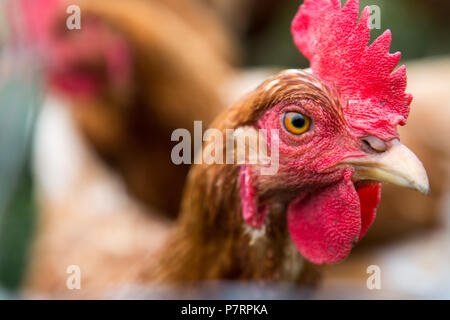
371,144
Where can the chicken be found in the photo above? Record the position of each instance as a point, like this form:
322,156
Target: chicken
335,127
124,84
131,82
337,138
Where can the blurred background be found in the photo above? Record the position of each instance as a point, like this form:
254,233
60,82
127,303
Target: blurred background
86,117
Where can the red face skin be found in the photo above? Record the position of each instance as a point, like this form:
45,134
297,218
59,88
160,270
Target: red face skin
89,61
329,213
80,63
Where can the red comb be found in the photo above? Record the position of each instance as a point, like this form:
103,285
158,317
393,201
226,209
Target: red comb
336,45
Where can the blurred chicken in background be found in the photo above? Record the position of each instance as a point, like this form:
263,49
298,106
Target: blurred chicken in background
137,70
131,82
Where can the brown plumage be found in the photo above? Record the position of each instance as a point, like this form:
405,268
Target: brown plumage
170,87
210,240
126,134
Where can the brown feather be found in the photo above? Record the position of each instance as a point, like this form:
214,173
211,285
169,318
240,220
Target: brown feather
210,241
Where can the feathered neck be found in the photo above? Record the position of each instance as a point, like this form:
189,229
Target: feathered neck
211,239
212,242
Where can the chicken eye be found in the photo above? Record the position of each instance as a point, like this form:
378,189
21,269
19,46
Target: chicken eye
296,123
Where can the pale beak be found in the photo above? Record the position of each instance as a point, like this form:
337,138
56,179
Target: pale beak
397,165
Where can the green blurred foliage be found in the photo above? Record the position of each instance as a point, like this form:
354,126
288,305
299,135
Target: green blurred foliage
20,97
16,232
19,100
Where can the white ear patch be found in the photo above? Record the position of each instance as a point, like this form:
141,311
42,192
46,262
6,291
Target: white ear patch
293,261
257,235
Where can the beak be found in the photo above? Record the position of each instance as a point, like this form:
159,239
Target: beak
398,165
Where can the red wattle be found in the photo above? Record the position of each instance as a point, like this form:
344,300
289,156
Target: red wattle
251,211
326,224
369,198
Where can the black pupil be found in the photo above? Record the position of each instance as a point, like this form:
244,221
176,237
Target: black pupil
298,121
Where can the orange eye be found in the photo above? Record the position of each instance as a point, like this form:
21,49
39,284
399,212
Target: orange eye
296,123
